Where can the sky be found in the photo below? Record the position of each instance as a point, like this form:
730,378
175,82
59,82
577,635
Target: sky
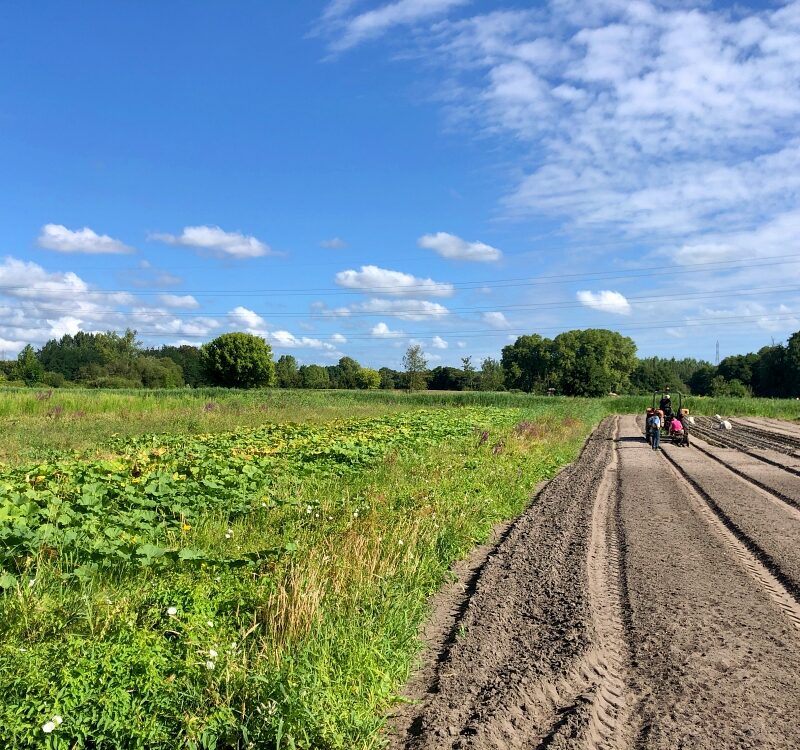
358,176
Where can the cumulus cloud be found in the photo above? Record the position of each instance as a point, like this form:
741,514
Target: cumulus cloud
439,343
247,320
65,325
335,243
605,301
409,309
287,340
454,248
337,338
382,331
495,319
57,237
179,301
394,283
37,305
216,241
349,30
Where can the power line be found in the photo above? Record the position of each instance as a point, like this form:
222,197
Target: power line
400,312
685,323
430,288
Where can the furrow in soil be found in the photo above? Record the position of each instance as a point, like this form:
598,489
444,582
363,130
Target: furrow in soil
715,649
526,661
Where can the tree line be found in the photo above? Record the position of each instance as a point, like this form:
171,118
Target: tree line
590,362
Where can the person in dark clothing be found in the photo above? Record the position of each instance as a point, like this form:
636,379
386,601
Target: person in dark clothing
666,406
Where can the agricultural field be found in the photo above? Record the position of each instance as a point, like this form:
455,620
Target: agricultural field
229,570
251,587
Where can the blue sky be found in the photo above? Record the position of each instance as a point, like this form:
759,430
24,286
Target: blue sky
354,176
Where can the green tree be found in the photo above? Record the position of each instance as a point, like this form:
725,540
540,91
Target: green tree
368,379
159,372
190,360
701,382
468,376
446,379
344,374
286,372
593,362
738,367
390,379
416,366
792,360
28,367
527,363
492,376
239,360
314,376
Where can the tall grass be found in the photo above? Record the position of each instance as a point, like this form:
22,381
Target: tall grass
37,422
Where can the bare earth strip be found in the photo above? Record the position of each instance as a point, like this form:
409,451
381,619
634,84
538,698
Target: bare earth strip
771,526
644,600
718,661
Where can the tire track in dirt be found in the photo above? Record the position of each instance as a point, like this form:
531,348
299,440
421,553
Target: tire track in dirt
608,726
763,487
752,557
540,656
715,663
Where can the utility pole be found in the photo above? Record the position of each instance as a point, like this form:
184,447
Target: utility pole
717,352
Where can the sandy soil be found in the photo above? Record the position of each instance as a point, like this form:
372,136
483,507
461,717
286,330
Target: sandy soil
645,600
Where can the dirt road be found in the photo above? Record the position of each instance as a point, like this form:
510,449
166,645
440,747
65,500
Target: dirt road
645,600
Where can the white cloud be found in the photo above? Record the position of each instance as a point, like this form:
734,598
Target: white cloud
335,243
454,248
382,331
495,319
65,325
57,237
660,122
394,283
248,320
371,24
605,301
179,301
337,338
287,340
439,343
407,309
217,242
10,349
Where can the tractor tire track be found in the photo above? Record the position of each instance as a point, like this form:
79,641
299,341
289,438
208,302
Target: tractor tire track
762,567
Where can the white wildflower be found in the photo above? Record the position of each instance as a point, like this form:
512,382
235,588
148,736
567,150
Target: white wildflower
172,611
210,665
49,727
58,720
308,509
212,653
210,623
31,583
229,534
400,542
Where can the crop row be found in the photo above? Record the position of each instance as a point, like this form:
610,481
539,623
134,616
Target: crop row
130,506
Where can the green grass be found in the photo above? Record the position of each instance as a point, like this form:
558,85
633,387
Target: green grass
34,423
312,646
